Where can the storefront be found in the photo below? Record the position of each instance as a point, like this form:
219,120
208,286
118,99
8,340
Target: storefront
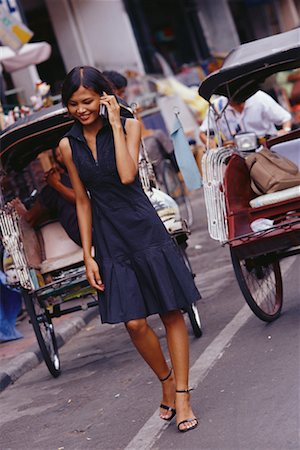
129,34
171,28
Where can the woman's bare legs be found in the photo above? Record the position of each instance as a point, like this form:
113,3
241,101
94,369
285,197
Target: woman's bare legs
178,344
148,345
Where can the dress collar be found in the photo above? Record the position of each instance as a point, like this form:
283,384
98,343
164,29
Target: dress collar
77,133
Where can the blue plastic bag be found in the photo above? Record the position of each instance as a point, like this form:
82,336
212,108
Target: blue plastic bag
10,306
185,157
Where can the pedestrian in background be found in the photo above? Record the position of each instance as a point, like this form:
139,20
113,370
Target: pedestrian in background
137,269
118,82
55,201
258,113
118,85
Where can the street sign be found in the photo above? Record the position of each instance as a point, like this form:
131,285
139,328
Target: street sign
13,32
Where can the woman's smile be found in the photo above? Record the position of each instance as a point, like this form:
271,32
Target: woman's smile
84,105
84,117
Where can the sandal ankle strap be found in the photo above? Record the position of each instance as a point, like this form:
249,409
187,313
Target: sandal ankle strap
168,376
184,391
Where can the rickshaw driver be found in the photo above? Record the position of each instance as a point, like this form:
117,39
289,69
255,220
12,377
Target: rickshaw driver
259,113
56,200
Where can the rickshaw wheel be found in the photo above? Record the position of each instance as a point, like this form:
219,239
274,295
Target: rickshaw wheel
261,284
44,331
192,310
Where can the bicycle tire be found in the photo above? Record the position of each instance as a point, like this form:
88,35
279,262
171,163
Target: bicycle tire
260,281
192,310
173,186
44,332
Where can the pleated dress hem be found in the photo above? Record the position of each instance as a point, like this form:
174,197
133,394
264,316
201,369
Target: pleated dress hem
152,281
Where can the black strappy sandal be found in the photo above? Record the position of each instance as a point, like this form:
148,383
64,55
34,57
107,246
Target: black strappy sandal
168,408
184,430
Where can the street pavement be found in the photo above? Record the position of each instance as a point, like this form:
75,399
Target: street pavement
245,374
19,356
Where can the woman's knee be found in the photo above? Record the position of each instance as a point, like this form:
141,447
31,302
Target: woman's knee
136,327
171,318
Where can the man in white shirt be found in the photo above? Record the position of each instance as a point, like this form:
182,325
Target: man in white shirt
260,114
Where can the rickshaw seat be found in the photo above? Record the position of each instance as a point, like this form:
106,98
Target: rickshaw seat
31,244
294,134
289,149
52,264
59,250
238,194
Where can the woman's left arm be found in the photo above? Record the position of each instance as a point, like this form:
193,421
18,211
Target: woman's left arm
127,145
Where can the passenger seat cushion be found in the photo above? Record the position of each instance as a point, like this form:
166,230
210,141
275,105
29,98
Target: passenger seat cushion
289,149
276,197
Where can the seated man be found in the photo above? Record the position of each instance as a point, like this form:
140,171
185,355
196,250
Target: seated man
259,113
56,200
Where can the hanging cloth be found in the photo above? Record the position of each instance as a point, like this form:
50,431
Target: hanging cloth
185,157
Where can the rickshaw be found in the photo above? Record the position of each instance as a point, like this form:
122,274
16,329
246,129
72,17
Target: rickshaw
255,253
46,265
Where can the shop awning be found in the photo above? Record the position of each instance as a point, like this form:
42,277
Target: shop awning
34,53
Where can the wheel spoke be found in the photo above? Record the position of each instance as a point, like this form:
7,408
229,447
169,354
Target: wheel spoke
44,331
261,283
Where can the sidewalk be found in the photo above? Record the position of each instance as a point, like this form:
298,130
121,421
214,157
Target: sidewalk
19,356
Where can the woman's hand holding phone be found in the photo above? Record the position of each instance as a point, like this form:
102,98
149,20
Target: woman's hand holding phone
112,107
103,111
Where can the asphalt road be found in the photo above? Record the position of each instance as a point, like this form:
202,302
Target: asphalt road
246,375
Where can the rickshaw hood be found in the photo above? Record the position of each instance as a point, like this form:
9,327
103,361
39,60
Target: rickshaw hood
249,64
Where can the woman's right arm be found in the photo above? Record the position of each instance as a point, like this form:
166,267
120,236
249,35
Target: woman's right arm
84,216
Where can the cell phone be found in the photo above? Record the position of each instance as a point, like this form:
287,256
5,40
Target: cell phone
103,112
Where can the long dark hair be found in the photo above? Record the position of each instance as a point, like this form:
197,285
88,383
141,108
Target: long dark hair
86,76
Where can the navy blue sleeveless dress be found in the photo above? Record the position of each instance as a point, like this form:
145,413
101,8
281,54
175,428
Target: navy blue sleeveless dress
141,267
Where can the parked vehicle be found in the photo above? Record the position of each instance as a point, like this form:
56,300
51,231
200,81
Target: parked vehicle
255,255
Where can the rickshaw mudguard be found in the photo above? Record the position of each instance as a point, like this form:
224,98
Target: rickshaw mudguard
274,242
251,63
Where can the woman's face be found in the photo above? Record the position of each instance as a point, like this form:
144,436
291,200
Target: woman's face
84,105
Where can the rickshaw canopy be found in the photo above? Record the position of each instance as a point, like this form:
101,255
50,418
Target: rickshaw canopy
249,64
21,142
25,139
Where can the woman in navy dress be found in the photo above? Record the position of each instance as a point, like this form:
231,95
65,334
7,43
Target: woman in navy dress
137,269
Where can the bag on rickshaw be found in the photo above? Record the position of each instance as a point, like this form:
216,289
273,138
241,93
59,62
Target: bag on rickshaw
271,172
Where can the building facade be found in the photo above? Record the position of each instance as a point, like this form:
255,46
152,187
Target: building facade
128,34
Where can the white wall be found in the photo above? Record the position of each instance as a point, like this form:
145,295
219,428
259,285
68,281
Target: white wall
218,25
94,32
66,32
106,28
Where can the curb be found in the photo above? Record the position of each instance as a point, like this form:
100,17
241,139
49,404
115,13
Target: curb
18,366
